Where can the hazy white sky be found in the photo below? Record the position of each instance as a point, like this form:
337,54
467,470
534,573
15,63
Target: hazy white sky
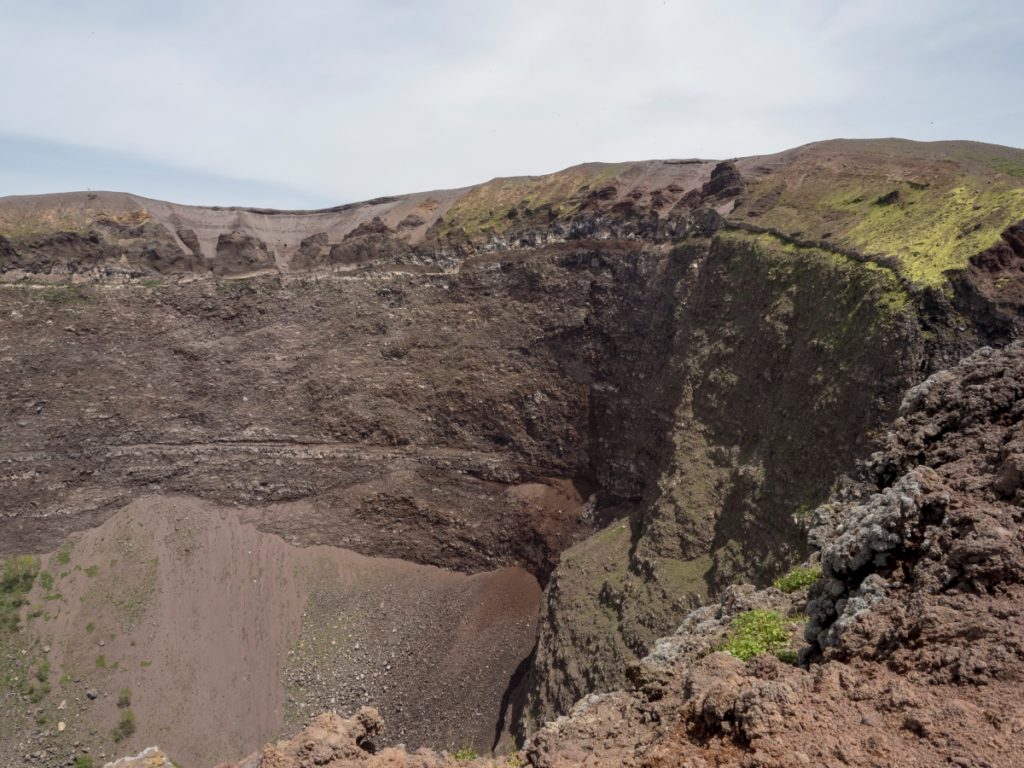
319,102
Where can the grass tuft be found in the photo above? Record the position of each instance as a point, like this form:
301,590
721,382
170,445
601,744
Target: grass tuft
757,632
18,575
125,727
800,577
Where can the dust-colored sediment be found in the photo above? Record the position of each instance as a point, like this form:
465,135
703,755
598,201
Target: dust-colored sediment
223,636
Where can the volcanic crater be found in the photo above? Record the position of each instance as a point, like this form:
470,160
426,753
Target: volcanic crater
464,456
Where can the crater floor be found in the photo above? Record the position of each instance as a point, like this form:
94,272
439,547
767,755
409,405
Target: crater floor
225,637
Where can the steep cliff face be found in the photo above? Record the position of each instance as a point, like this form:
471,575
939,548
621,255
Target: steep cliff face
633,380
915,638
783,363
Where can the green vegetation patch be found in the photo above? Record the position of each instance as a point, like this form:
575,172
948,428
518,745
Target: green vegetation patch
857,305
932,216
932,231
125,727
1007,166
757,632
77,218
18,575
799,578
66,294
28,226
494,206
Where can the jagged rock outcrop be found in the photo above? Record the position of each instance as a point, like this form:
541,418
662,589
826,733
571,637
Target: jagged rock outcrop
992,287
725,182
927,573
241,254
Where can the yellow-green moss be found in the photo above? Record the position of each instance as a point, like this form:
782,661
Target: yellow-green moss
933,231
486,207
879,285
932,209
798,578
28,224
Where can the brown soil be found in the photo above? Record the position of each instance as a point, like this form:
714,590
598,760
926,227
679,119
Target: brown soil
227,637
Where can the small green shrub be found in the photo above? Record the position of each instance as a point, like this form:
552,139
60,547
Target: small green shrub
753,633
83,761
125,699
64,557
90,627
16,579
101,662
465,754
38,693
800,577
126,727
65,294
92,570
18,574
43,672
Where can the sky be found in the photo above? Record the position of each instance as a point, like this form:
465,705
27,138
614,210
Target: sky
313,103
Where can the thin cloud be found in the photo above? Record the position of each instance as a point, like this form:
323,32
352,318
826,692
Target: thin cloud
348,100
